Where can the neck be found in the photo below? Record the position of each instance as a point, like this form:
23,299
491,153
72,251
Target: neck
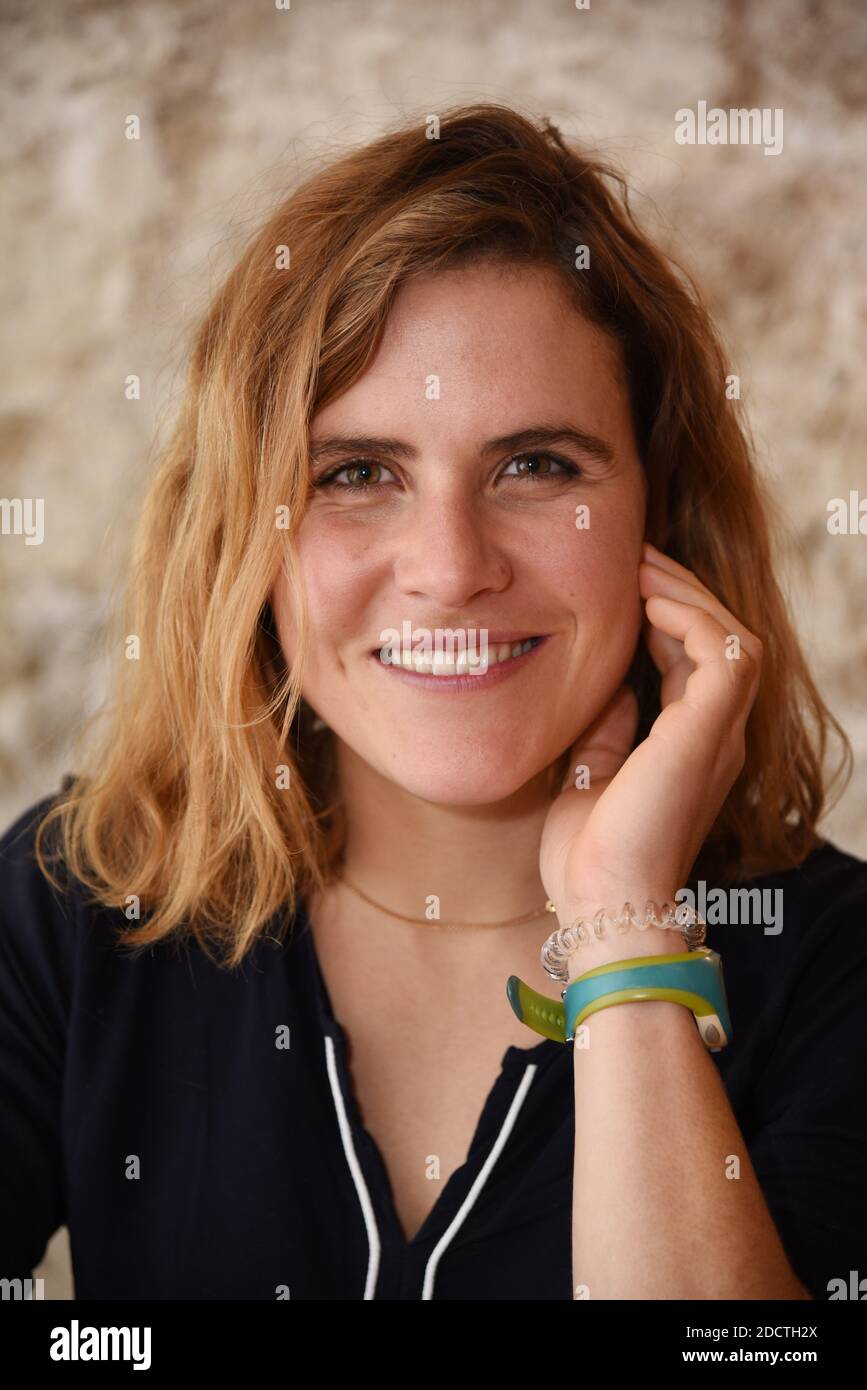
480,862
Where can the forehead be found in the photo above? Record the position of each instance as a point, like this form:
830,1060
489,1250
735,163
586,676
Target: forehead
487,338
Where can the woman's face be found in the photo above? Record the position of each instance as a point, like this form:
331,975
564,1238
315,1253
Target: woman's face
454,525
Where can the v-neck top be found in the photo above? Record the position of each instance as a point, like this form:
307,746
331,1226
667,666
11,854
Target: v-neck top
197,1129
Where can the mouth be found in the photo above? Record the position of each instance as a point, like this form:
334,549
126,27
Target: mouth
448,671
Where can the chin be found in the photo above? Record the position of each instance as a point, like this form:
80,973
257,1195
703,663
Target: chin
472,781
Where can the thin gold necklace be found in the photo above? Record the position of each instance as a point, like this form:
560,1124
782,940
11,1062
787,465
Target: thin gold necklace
426,922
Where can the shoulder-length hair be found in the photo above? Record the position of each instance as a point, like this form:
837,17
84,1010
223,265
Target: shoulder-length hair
210,797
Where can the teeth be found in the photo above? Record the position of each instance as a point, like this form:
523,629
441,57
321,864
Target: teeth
441,664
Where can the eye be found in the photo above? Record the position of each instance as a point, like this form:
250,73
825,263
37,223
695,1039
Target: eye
540,467
359,466
545,471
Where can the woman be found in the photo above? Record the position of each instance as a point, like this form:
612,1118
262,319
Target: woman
258,1042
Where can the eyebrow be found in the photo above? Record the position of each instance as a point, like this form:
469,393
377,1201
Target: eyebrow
532,437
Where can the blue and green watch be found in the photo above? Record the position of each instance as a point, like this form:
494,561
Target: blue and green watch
693,978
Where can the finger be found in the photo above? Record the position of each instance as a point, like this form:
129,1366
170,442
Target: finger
719,685
666,651
652,580
656,558
667,562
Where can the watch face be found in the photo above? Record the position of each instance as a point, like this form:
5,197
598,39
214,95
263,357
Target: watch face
712,1032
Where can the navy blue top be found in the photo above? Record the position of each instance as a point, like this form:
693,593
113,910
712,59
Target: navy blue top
255,1177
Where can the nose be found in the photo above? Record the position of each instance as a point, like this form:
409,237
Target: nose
449,551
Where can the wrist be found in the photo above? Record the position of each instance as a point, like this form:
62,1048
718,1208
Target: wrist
636,936
609,895
627,945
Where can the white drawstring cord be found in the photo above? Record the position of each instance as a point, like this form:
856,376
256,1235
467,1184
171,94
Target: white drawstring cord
469,1200
364,1196
355,1170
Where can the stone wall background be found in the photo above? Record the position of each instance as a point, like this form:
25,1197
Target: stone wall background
111,246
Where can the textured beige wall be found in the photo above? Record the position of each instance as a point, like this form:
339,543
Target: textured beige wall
112,244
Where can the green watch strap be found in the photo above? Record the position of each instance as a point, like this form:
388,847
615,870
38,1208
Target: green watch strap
546,1016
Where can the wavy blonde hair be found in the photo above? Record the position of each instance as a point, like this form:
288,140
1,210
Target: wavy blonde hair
178,802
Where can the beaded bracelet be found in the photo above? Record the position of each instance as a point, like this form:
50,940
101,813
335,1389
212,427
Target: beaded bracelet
563,943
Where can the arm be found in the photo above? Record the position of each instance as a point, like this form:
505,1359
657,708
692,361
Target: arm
654,1214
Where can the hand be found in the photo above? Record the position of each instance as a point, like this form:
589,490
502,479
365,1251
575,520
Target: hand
634,833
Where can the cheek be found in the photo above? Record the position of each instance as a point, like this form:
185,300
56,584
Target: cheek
595,569
333,567
336,571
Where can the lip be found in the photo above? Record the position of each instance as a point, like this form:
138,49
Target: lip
458,684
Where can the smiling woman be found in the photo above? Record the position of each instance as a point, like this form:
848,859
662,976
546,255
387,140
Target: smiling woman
451,533
359,858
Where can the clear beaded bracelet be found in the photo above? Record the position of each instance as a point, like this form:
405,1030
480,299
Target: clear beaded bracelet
563,943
